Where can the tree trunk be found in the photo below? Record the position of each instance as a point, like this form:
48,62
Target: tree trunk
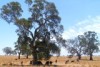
79,56
19,55
34,55
33,48
91,58
27,56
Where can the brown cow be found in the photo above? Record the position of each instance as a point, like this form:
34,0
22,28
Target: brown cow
66,61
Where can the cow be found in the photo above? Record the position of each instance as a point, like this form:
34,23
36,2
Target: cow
48,63
55,61
66,61
72,61
36,62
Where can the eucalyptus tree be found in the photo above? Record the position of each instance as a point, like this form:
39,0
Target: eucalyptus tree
22,47
76,46
18,46
91,43
26,50
7,50
42,25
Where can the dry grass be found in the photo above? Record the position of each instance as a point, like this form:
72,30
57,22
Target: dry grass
12,61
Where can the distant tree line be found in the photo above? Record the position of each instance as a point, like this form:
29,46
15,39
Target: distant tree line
85,44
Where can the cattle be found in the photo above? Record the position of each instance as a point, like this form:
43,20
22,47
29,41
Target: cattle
66,61
72,61
48,63
55,61
15,59
22,63
10,64
36,62
31,62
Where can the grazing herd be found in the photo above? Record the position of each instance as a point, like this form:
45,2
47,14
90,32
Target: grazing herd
40,63
56,61
77,60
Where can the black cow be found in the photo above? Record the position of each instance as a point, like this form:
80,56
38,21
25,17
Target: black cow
72,61
48,63
36,62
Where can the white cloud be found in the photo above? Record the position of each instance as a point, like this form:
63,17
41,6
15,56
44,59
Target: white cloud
89,24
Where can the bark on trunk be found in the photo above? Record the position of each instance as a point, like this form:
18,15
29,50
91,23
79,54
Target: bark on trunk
79,56
34,55
91,58
19,55
27,56
33,48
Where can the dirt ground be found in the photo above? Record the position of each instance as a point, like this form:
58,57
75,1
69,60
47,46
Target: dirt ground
12,61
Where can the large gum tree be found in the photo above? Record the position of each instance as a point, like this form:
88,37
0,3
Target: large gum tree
43,25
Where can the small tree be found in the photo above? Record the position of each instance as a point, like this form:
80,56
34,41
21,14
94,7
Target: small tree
25,50
17,49
76,46
22,46
7,50
91,43
18,46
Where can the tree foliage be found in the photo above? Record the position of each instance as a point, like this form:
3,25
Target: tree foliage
7,50
42,25
87,43
11,12
91,42
76,46
22,47
45,50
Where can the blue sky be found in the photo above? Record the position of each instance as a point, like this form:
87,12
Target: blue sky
77,17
